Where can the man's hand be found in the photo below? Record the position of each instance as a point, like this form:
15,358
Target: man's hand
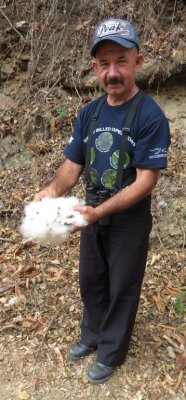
89,214
47,192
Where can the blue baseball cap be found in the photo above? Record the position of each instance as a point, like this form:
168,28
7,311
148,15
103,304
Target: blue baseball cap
119,31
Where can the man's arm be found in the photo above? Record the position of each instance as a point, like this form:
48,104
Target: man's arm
65,178
145,181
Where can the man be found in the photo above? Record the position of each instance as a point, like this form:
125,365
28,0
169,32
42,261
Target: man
113,247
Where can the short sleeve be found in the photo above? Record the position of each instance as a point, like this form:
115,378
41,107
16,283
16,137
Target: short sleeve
74,149
152,144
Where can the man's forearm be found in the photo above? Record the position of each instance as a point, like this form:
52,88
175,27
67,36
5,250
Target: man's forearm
65,178
130,196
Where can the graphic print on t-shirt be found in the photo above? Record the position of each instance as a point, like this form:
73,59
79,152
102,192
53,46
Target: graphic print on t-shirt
104,141
108,178
94,176
104,156
115,157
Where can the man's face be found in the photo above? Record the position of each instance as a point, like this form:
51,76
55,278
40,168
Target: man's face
116,67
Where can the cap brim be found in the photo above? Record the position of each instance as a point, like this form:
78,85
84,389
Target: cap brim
123,42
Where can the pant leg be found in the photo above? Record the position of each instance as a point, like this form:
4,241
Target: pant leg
126,248
94,283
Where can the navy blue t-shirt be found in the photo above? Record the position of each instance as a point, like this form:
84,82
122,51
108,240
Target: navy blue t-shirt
147,143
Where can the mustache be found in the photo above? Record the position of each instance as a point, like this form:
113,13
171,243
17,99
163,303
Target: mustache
113,81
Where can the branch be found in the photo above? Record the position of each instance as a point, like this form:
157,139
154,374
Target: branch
10,287
6,240
14,29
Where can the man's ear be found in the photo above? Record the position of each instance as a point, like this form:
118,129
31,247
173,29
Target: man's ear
139,62
94,65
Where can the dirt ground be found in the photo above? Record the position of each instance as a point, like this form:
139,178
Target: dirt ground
40,307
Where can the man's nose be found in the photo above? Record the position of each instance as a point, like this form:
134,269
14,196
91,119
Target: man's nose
113,71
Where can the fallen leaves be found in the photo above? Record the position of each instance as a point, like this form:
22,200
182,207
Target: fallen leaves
59,275
181,361
59,356
10,267
170,341
21,299
179,380
82,25
33,325
159,303
23,395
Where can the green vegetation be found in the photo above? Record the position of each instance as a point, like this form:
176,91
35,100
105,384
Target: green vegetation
180,304
62,112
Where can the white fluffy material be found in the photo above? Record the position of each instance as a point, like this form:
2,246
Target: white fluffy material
51,220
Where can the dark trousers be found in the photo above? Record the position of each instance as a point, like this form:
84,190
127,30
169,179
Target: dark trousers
112,265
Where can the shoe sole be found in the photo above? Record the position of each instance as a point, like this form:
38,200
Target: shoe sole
80,357
77,358
100,380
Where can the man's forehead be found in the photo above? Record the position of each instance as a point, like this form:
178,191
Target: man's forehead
108,46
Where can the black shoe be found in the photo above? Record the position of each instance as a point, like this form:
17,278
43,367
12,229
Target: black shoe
99,373
80,350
